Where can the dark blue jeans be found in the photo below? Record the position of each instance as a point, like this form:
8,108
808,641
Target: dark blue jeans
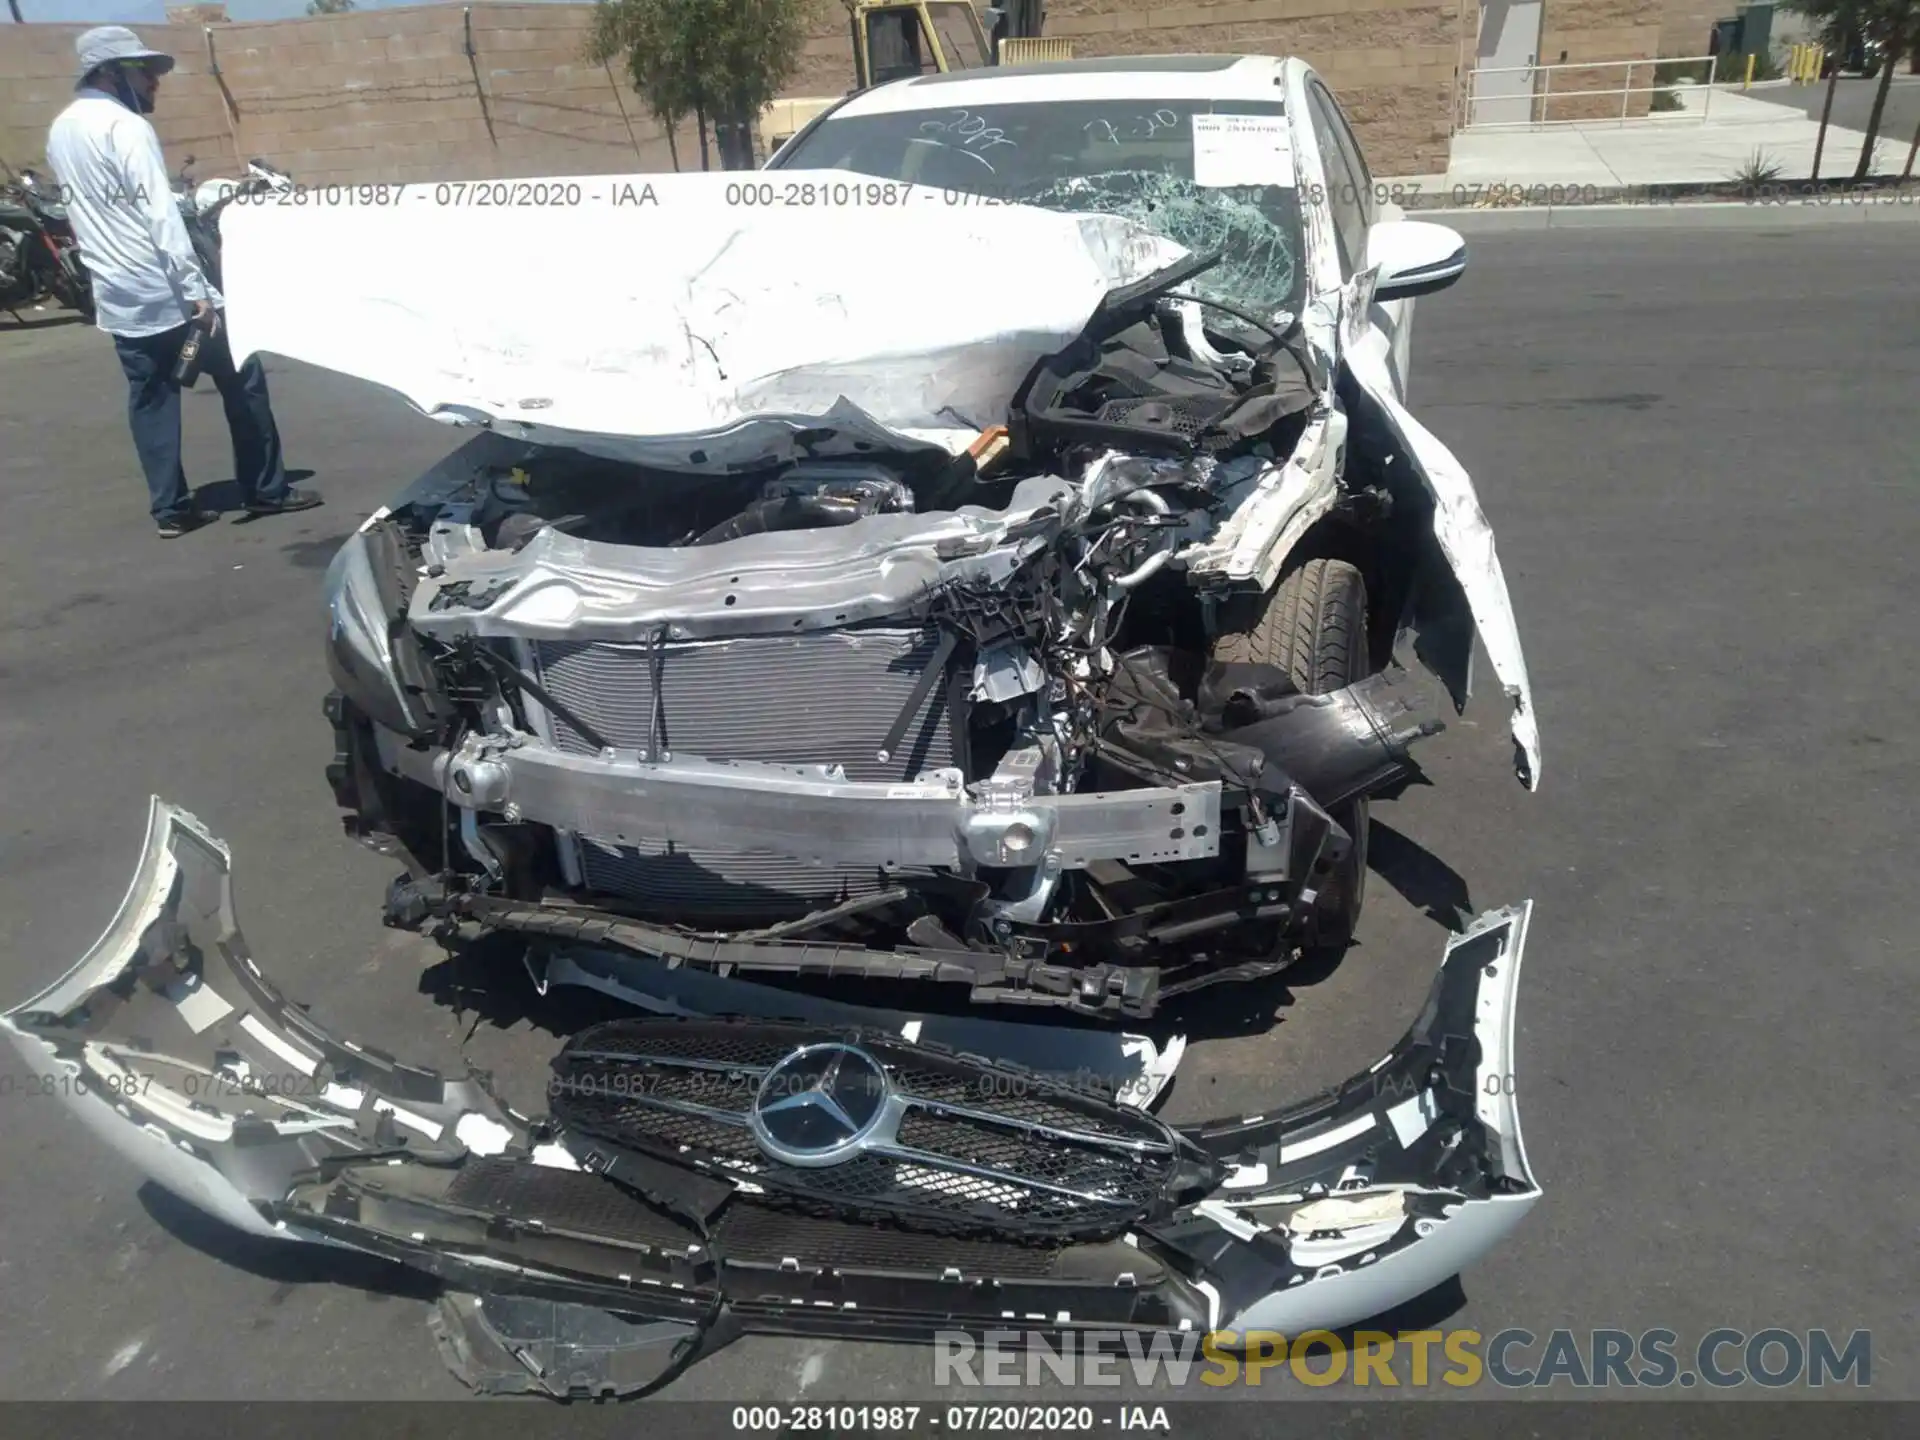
153,408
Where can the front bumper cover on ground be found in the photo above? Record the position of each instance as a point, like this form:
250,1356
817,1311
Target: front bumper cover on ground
576,1266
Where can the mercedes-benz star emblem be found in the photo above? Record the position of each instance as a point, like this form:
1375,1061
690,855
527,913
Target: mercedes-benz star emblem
820,1105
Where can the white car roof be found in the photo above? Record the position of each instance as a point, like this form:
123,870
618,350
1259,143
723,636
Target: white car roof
1120,77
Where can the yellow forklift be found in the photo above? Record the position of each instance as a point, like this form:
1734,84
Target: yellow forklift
893,41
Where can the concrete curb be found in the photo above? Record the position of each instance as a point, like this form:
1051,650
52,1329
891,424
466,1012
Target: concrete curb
1428,194
1667,217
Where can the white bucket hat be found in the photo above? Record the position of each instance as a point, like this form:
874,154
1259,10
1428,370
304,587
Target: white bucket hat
105,43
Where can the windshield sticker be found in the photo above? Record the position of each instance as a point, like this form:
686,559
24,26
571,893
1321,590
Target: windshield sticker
1241,150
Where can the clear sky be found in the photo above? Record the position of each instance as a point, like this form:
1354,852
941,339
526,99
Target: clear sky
153,12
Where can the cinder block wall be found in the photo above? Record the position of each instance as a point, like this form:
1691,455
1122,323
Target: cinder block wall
390,94
379,95
1391,62
1591,30
1687,25
37,77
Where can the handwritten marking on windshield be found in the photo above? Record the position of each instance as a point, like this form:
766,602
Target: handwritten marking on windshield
971,130
1140,127
978,159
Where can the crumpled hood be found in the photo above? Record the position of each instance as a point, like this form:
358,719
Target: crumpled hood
660,305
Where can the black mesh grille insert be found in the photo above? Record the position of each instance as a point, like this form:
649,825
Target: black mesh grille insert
1093,1169
564,1200
1030,1099
766,1235
1185,420
589,1205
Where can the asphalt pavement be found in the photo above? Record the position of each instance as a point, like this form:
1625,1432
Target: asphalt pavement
1852,104
1697,449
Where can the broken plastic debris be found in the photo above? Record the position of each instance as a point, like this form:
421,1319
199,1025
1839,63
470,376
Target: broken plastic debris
1348,1212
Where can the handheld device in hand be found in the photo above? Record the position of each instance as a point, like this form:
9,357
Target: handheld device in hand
186,369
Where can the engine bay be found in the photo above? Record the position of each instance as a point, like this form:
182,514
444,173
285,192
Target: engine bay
1109,805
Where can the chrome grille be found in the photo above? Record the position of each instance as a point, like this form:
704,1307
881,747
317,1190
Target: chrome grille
1023,1154
824,698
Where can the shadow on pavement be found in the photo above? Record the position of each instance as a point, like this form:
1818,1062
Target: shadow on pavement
1428,1311
1423,879
222,496
314,554
34,320
279,1260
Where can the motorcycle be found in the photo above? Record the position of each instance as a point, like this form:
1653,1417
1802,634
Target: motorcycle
200,205
39,254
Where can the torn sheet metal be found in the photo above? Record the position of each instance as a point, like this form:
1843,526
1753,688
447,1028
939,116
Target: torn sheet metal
1139,1069
1273,507
709,299
1466,539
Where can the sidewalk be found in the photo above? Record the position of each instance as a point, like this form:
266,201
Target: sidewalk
1707,142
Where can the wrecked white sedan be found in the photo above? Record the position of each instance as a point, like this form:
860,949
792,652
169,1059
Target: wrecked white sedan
808,606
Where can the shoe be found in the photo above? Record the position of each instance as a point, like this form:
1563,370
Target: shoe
178,525
293,500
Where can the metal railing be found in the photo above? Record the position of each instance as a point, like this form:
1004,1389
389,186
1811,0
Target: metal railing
1540,94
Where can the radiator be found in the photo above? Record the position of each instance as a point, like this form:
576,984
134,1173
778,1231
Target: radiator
826,698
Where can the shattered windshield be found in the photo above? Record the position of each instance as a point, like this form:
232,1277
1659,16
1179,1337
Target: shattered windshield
1133,158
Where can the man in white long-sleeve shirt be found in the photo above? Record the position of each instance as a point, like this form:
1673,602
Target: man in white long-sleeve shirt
148,287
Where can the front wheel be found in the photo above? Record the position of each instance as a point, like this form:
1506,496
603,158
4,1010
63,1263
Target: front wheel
206,249
1314,626
73,287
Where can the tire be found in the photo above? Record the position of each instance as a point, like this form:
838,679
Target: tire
207,251
76,293
1314,626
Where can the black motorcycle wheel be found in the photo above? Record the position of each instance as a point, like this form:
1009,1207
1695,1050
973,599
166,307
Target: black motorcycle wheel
206,248
75,291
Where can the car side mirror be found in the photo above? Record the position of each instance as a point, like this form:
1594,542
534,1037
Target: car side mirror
1414,257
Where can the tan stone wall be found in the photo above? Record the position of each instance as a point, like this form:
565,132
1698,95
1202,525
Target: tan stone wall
826,64
1687,25
380,95
389,95
1584,30
1390,62
37,77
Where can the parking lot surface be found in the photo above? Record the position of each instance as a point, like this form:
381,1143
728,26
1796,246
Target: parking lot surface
1698,452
